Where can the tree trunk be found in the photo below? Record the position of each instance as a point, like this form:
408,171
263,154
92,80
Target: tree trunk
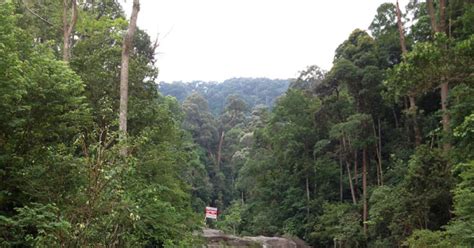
354,200
441,25
406,124
126,47
341,190
307,196
400,30
395,118
356,173
413,113
68,27
446,122
348,167
219,150
380,152
413,108
364,188
431,12
377,168
444,87
442,16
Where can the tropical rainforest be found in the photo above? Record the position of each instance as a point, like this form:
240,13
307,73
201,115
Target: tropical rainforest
254,91
378,151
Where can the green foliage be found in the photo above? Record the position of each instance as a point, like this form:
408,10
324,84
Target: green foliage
462,18
352,129
385,31
292,170
461,228
231,219
427,238
338,224
46,32
428,184
422,200
200,122
465,134
385,20
44,112
309,79
387,222
37,225
96,58
254,91
295,177
64,182
429,64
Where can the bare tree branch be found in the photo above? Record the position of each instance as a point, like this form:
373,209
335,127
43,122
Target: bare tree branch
35,14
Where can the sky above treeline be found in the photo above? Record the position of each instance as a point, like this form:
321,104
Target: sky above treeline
213,40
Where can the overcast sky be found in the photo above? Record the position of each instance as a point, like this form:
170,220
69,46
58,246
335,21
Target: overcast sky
214,40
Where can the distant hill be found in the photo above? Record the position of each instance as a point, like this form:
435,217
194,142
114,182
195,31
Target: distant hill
253,91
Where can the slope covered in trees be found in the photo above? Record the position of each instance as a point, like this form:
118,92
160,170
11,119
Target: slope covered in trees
64,181
254,91
376,152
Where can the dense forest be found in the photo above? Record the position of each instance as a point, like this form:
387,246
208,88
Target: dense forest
64,181
254,91
376,152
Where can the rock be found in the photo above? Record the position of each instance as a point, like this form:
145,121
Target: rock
218,239
273,242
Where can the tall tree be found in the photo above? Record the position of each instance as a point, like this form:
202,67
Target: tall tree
355,67
60,166
126,48
411,95
68,26
440,27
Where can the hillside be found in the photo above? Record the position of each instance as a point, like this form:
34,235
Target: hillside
376,151
253,91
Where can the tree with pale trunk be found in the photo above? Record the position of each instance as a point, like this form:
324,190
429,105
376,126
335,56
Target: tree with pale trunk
126,48
68,26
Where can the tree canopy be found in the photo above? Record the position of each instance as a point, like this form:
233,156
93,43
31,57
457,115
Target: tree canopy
377,151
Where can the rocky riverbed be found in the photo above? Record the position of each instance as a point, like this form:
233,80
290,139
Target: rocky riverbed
217,239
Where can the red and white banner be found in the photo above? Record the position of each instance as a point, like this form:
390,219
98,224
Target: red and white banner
211,213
